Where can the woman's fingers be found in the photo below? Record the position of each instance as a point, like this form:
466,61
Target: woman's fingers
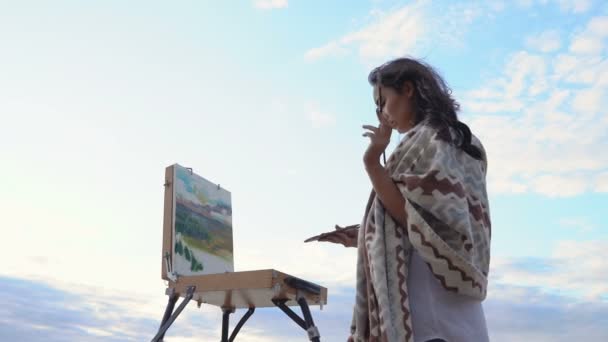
372,131
331,235
371,128
334,239
342,236
335,236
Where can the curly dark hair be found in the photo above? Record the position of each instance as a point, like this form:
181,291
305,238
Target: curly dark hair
433,101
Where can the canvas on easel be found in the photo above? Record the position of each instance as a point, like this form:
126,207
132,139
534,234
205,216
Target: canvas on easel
201,225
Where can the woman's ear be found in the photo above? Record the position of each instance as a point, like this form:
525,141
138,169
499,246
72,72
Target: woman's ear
408,89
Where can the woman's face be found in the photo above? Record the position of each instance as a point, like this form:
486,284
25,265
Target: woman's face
396,108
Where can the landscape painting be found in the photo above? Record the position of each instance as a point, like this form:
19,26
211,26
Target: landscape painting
202,229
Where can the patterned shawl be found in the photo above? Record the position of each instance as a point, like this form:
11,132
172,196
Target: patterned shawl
448,223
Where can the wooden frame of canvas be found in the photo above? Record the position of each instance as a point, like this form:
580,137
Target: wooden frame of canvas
270,280
246,289
167,221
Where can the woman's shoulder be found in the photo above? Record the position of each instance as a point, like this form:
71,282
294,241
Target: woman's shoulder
444,138
427,133
422,130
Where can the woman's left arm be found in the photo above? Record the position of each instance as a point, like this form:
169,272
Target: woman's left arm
387,191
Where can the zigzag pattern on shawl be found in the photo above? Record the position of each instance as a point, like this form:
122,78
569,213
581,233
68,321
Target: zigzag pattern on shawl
480,213
451,265
401,266
404,296
366,302
375,321
376,332
430,182
442,280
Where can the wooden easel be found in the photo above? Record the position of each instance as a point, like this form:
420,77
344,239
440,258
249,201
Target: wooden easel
251,290
234,290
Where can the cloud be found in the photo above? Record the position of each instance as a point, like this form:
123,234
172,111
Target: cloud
547,41
521,313
528,296
586,45
579,69
270,4
575,6
543,121
412,28
598,26
405,30
575,268
568,6
525,3
590,41
559,186
540,299
330,49
601,183
525,70
33,311
393,33
318,117
589,100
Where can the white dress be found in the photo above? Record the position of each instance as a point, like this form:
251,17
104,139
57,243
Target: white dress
437,313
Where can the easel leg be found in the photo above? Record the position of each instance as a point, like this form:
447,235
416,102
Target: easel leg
306,323
225,322
173,297
173,317
311,329
281,304
240,324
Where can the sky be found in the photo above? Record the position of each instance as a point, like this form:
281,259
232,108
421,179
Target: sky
267,98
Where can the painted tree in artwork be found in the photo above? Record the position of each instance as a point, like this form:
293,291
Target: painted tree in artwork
195,266
187,253
179,248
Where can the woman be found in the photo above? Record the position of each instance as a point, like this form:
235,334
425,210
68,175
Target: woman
424,242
